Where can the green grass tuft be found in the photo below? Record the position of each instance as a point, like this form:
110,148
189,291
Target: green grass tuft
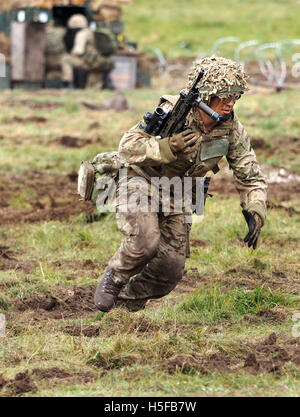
216,304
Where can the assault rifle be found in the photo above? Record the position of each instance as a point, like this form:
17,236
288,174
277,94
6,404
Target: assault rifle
160,123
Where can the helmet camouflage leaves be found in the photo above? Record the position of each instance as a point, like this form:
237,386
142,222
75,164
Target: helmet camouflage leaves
223,78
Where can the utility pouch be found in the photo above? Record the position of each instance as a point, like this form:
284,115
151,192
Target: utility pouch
86,180
214,149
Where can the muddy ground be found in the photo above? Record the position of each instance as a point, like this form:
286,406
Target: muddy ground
23,381
283,186
52,197
266,356
44,202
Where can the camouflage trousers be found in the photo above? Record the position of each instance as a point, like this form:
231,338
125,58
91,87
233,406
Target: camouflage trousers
55,63
103,65
150,261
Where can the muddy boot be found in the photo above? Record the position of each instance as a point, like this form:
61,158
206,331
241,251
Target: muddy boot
107,83
68,84
107,292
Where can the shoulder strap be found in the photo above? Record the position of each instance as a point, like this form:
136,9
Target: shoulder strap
169,98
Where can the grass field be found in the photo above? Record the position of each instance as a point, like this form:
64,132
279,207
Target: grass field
231,327
227,329
167,24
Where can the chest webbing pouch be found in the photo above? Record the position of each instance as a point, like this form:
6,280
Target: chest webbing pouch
93,176
214,149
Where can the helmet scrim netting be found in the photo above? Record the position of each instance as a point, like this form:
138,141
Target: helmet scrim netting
223,78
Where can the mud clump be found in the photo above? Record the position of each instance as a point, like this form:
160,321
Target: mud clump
204,365
63,302
74,142
251,365
50,373
199,243
9,261
73,176
189,281
184,364
33,119
78,298
2,381
94,125
219,362
84,330
263,357
259,143
21,384
89,264
114,362
269,357
60,375
35,105
46,302
266,315
271,315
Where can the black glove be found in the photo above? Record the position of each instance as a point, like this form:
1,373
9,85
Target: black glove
255,224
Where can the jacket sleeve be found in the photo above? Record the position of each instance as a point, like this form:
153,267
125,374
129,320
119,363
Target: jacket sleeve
81,39
141,149
248,178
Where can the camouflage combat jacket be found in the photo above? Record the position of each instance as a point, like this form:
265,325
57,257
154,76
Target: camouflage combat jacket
87,55
150,156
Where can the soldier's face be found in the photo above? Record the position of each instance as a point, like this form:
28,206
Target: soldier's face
222,106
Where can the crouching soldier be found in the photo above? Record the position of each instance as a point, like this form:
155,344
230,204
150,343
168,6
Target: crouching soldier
84,58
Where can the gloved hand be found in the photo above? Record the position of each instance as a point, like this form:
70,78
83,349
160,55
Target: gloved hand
254,224
179,141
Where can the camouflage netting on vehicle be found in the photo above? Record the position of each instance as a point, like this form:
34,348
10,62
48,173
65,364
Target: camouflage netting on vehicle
5,46
107,11
47,4
223,77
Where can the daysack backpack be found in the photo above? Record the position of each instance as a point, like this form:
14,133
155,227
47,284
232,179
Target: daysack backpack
105,41
93,176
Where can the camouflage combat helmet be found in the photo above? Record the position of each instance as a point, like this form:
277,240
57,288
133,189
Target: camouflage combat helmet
223,78
77,21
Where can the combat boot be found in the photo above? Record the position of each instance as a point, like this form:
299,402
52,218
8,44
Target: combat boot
107,292
68,84
107,83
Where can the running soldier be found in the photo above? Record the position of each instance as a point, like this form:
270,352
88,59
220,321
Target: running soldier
150,261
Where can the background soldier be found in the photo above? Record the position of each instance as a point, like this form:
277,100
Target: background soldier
84,58
150,262
56,51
